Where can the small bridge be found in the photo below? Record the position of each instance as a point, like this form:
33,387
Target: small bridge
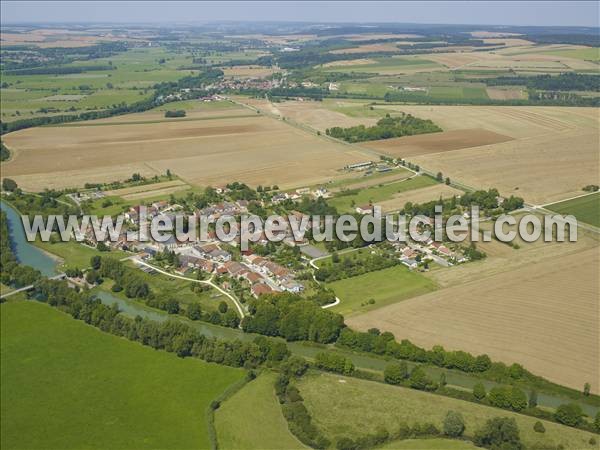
30,287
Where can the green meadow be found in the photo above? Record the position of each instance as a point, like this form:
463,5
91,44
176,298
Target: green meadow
346,203
585,209
81,388
337,405
252,419
382,287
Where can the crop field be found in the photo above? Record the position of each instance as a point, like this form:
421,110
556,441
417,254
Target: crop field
86,389
543,315
424,144
553,154
241,419
255,150
421,195
149,190
521,58
586,209
379,194
337,405
388,66
496,93
384,287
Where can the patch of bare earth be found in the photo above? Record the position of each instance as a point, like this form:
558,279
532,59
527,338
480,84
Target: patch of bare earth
424,144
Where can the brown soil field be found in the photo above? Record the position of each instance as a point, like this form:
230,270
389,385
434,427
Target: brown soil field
544,316
255,150
418,196
145,188
505,94
553,155
159,115
424,144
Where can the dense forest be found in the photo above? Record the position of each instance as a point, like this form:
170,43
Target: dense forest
386,128
562,82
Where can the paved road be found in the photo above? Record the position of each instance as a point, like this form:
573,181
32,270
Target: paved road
238,305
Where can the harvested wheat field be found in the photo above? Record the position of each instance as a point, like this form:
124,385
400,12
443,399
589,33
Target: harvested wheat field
554,152
319,117
496,93
248,71
424,144
149,190
255,150
544,316
421,195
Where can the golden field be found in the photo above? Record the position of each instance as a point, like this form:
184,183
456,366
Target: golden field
255,150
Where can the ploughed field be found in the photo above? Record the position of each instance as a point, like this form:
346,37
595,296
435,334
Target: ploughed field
543,154
255,150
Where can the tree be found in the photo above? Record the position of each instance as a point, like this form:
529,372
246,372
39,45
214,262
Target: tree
92,277
395,373
586,389
8,184
439,177
443,379
533,399
569,414
335,258
448,181
499,433
95,262
172,306
223,307
419,380
538,427
194,311
479,391
454,424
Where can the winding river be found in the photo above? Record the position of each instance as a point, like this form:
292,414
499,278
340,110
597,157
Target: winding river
32,256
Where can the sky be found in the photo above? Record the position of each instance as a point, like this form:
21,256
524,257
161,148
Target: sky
543,13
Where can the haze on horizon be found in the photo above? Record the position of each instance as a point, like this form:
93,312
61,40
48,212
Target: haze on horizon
526,13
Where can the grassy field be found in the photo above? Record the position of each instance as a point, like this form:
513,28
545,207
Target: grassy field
390,65
588,54
375,194
252,419
74,254
169,287
383,286
135,72
68,385
586,209
337,405
429,444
